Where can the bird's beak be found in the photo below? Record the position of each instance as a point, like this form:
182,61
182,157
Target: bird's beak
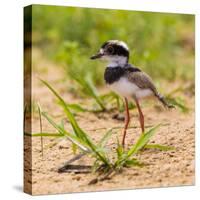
98,55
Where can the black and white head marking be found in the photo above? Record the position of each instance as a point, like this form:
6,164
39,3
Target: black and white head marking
115,48
115,51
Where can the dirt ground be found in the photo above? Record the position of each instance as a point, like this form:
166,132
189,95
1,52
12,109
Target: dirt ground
163,168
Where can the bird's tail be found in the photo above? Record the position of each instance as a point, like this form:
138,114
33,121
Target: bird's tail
163,101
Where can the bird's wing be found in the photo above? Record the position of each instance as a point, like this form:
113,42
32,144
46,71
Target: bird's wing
142,80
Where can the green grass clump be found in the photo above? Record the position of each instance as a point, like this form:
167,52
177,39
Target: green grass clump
178,101
99,151
90,90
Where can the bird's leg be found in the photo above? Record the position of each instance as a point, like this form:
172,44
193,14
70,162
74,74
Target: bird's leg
141,116
127,120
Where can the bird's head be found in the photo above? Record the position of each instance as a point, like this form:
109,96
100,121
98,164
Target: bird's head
114,51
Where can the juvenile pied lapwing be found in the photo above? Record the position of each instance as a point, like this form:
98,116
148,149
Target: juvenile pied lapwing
126,79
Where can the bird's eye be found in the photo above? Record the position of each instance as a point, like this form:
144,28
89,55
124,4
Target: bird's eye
110,49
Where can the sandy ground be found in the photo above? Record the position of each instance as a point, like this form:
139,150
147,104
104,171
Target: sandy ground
163,168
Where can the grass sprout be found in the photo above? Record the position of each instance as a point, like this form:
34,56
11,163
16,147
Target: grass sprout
178,101
89,89
80,136
106,161
112,97
41,137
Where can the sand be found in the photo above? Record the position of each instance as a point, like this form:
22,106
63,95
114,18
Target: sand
162,168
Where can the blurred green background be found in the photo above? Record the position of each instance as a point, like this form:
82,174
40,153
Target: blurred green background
161,44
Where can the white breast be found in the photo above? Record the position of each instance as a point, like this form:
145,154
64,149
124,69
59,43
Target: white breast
128,89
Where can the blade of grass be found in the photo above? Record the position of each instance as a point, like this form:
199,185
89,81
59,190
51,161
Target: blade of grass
119,149
73,138
141,142
71,118
105,138
62,124
77,130
57,127
77,107
43,134
74,148
40,118
158,146
133,162
110,97
89,88
178,104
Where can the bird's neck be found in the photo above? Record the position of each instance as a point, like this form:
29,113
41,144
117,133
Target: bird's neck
118,61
